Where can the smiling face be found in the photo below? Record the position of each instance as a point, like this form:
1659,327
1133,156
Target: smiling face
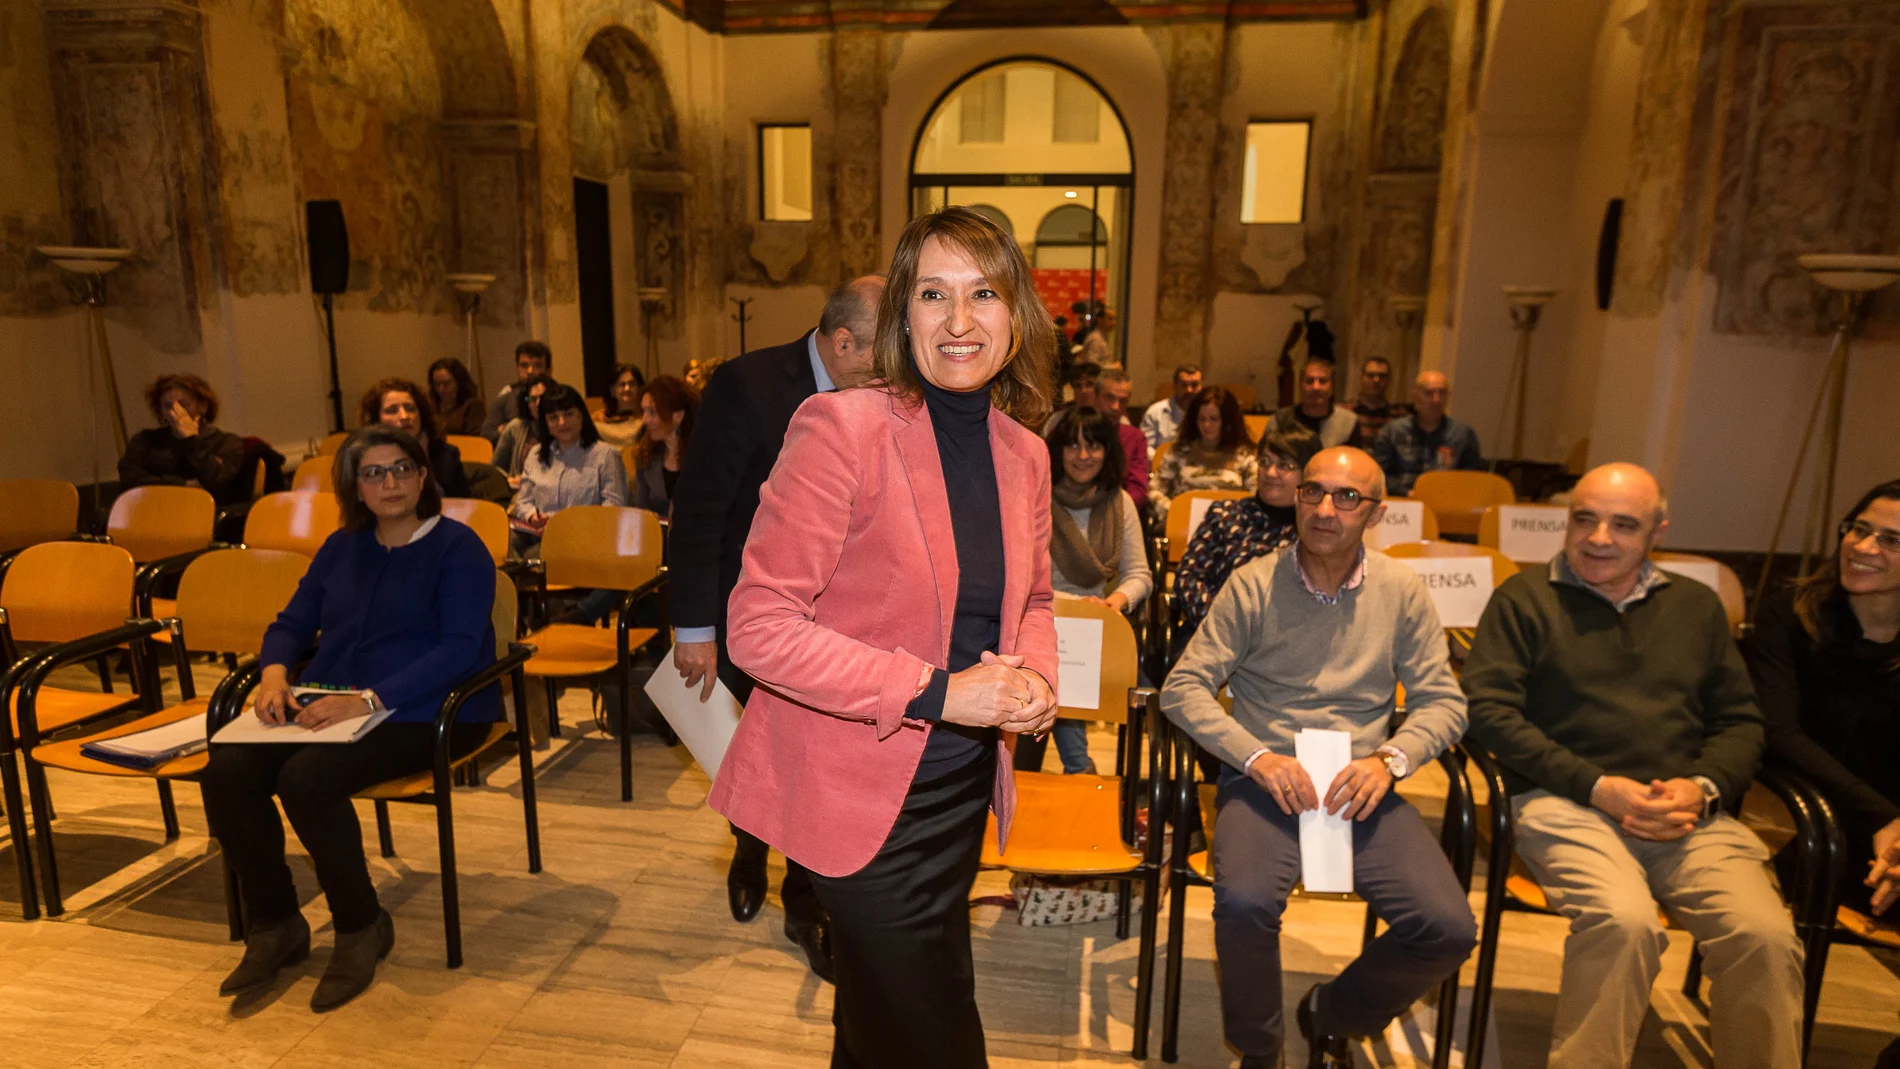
1278,481
399,410
658,425
389,482
564,424
959,322
1316,389
1866,567
625,390
1615,520
1082,460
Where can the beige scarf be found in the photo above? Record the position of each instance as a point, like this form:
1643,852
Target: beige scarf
1095,557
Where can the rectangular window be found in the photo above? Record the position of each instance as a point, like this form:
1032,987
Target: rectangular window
984,101
1078,111
1273,182
785,172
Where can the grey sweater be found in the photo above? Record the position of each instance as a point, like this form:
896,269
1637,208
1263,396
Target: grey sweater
1292,662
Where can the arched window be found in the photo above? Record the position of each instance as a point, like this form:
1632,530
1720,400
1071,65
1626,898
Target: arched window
1071,224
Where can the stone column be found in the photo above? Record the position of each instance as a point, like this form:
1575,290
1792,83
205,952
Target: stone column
1194,56
859,85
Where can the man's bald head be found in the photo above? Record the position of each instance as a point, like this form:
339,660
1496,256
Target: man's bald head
1334,527
1343,465
1624,484
1617,516
848,327
1431,396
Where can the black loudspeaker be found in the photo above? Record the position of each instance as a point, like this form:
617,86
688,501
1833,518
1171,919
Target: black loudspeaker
1611,233
329,246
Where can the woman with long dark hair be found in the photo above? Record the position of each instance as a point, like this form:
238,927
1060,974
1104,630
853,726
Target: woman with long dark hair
569,465
1212,451
620,424
894,606
1826,660
452,390
404,405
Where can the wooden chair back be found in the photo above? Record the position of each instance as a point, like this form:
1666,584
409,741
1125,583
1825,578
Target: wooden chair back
1502,567
1181,513
1154,458
1121,660
60,591
294,520
1577,460
1728,585
488,520
1460,497
227,597
1242,391
1427,520
331,443
605,546
474,448
36,510
505,612
314,473
1257,427
155,522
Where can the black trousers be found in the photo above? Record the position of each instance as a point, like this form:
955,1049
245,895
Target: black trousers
314,781
900,934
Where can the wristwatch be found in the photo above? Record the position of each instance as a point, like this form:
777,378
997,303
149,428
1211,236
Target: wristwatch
1395,761
1711,798
370,699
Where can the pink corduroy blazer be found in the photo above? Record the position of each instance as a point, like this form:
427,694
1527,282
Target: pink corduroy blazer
848,589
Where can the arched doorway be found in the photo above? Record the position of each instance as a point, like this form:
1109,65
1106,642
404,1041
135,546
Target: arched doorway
1040,144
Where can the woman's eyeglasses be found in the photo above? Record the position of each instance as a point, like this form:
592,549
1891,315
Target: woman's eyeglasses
375,474
1858,531
1345,498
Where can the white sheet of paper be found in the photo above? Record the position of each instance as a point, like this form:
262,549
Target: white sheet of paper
1532,532
1706,572
1079,662
1325,838
159,740
1404,522
1460,587
248,728
1197,511
705,727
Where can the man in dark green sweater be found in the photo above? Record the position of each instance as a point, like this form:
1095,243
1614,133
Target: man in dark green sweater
1619,708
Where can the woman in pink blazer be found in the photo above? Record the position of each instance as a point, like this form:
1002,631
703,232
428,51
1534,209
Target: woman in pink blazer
895,608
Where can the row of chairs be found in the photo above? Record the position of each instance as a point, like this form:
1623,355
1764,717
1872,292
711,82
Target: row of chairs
474,448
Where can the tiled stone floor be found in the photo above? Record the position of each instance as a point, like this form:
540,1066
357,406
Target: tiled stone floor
622,953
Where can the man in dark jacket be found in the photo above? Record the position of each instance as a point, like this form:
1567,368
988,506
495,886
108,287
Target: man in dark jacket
1621,712
736,439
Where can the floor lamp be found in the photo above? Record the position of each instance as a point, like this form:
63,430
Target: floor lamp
1407,312
1853,277
652,303
90,266
1527,306
469,288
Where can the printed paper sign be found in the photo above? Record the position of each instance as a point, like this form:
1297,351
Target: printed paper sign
1404,522
1325,838
1532,532
1079,662
1197,511
1706,572
1460,586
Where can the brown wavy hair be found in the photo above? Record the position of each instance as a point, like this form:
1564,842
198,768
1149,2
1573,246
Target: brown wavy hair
1233,429
371,409
1022,387
192,385
672,396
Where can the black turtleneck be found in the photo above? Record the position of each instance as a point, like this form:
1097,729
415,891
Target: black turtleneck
961,422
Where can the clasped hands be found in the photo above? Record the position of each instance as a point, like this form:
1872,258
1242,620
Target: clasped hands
1353,794
1660,810
277,705
999,692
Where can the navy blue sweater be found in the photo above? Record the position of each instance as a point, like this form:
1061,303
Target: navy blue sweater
408,623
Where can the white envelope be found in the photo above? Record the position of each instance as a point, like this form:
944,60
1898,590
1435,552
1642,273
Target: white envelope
1197,512
705,727
1325,838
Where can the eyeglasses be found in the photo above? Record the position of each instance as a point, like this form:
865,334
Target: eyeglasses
1345,498
1269,462
1858,531
374,474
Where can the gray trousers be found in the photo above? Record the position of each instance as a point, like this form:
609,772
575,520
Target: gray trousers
1713,882
1398,869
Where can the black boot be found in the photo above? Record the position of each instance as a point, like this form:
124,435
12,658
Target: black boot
814,938
353,963
1324,1050
745,884
268,948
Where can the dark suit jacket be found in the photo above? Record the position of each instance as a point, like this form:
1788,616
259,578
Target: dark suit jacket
736,439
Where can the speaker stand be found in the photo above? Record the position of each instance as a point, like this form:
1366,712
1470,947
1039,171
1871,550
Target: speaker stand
336,382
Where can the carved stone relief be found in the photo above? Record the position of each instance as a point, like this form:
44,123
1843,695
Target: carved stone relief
1808,156
1396,258
659,253
859,74
1193,57
486,164
1412,130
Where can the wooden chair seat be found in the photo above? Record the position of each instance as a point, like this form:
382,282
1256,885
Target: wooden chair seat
57,708
1872,929
579,650
424,781
164,609
1068,825
65,753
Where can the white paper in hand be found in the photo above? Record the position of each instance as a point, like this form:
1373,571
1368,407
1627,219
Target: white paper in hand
1325,838
1078,662
705,727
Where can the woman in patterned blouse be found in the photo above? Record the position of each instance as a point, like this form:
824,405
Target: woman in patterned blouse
1213,451
1236,532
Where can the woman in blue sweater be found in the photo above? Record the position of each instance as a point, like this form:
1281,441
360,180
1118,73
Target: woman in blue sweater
401,597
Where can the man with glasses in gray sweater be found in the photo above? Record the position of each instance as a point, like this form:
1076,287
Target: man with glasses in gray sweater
1320,635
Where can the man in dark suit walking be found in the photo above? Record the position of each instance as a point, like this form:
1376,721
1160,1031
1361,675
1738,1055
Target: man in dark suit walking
736,439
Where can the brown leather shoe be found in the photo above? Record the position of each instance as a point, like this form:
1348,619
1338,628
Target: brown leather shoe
267,949
353,963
